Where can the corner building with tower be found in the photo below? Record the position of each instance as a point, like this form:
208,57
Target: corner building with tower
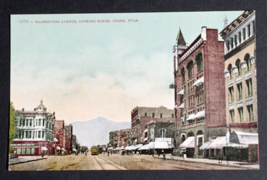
199,85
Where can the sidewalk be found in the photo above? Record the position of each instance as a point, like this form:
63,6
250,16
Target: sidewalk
214,161
25,159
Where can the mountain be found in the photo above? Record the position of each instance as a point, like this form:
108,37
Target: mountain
96,131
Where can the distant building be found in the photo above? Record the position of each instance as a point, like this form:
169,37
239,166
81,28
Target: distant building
159,130
74,141
35,132
68,137
113,139
59,133
140,116
124,137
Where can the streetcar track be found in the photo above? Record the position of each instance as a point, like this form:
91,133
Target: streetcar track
105,161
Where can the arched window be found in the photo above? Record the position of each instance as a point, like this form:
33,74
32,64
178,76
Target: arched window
229,68
190,134
237,63
199,60
183,74
200,132
183,138
190,69
246,58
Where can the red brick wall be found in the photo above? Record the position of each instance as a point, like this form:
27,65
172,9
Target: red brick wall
214,80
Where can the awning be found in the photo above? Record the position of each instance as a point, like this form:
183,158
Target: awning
44,149
181,92
121,147
181,106
145,139
110,148
191,117
63,149
188,143
182,119
163,145
200,114
151,145
145,147
244,138
205,145
135,140
58,148
145,130
55,140
199,81
223,141
218,143
74,149
163,139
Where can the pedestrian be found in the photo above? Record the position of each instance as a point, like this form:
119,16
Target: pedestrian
108,153
163,153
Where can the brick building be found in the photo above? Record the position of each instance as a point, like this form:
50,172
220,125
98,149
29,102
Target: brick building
68,137
160,130
240,78
199,88
113,138
140,116
124,137
35,132
59,133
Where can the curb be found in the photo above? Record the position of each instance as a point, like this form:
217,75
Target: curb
236,166
27,161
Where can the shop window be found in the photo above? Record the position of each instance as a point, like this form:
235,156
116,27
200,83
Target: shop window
28,151
32,151
18,150
23,151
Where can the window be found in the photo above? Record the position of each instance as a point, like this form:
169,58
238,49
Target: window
39,134
40,122
249,30
183,74
239,87
232,43
27,122
153,114
239,37
227,45
237,63
199,62
32,150
28,151
23,151
160,115
43,122
244,34
240,112
249,87
250,113
229,68
231,92
162,133
248,62
30,134
145,114
172,115
232,115
190,69
31,122
23,122
19,151
235,40
42,134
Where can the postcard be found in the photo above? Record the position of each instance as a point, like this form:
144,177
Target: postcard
134,91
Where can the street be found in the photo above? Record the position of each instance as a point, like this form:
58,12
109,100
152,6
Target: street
112,162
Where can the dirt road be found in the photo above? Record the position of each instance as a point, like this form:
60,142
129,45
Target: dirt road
111,162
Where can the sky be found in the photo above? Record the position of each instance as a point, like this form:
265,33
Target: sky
84,70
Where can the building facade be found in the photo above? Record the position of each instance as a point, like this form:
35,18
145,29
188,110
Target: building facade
140,116
199,88
35,132
241,79
68,138
240,73
59,133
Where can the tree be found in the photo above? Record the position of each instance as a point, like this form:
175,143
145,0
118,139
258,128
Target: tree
12,123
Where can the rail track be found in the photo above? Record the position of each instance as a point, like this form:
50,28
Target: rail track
106,162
